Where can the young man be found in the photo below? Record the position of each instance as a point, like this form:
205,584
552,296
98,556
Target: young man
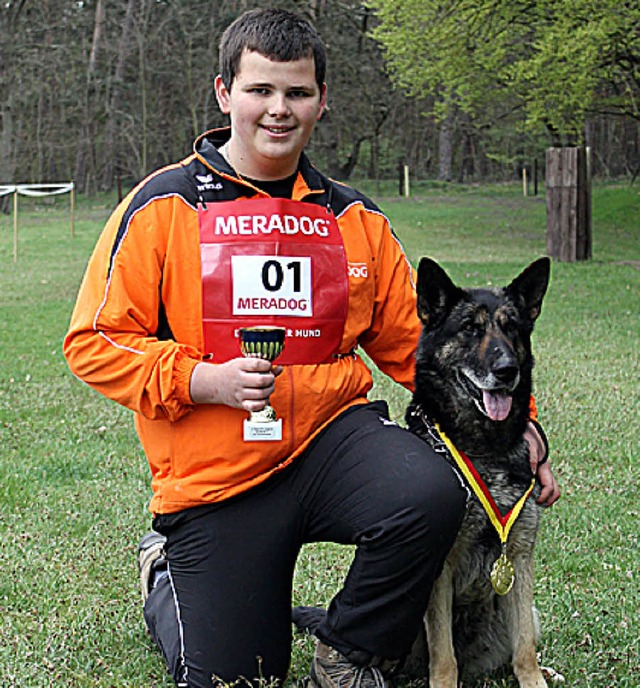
246,232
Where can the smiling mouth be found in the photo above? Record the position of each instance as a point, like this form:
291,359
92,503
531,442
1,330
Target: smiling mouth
494,403
276,130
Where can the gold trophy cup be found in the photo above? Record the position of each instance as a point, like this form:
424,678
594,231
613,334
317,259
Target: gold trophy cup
265,342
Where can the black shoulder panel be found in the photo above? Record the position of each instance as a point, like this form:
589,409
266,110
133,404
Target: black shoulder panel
336,195
176,180
343,196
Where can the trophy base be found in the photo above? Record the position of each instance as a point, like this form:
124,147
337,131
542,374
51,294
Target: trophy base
263,432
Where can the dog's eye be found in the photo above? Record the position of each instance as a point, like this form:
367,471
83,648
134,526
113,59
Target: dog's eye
472,328
508,326
507,321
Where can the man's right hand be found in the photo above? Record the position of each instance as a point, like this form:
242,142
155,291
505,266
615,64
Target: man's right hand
244,383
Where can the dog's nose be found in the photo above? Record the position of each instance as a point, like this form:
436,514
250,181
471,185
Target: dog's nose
505,370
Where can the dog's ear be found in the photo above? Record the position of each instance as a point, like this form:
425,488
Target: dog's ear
530,286
437,294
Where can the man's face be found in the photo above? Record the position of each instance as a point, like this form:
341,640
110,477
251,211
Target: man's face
273,108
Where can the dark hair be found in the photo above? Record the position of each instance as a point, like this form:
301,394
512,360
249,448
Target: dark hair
277,34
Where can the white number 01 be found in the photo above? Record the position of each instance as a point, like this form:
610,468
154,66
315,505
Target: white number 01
272,285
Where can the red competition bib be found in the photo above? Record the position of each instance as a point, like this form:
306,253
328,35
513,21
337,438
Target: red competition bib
273,261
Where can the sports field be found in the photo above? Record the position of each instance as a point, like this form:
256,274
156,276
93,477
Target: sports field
74,484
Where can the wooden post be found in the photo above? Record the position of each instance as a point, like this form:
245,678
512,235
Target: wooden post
406,181
568,204
584,245
72,203
525,184
15,225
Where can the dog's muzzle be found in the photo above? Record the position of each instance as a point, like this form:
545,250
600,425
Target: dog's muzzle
491,396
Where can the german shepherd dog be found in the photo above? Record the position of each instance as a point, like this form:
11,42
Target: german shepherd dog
474,378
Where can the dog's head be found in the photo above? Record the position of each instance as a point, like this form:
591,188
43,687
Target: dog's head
475,347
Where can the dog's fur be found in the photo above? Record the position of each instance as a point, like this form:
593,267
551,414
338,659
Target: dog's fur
473,377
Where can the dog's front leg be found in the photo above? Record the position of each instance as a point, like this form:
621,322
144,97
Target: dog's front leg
443,668
523,631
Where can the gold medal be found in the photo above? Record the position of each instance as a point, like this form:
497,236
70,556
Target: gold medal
502,574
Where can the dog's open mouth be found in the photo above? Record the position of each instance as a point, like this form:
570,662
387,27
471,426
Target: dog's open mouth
496,405
493,403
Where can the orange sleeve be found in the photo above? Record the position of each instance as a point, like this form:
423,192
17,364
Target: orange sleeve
109,344
392,337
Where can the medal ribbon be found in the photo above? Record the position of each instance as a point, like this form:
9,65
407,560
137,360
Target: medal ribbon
501,523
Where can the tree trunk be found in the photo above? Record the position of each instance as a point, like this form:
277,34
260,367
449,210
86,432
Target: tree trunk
7,160
445,149
8,28
84,175
113,144
143,31
342,171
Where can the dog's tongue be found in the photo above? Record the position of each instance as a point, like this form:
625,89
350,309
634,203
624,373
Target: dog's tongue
496,405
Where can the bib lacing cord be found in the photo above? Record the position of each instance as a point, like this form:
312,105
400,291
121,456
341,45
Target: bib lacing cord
329,199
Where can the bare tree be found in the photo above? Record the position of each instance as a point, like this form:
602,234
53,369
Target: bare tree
113,164
10,15
85,161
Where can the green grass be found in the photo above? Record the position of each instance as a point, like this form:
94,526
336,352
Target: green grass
74,484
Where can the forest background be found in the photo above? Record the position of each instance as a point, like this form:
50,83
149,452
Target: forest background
104,91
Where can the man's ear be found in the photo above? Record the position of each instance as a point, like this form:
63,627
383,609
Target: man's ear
323,102
222,95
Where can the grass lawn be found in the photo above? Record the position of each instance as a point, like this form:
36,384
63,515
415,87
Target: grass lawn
74,485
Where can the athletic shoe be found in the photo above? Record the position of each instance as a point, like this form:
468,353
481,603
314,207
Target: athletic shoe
150,557
330,669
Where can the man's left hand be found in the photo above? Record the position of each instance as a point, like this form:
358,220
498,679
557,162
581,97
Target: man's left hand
550,492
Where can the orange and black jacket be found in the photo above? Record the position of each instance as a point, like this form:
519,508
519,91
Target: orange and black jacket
136,330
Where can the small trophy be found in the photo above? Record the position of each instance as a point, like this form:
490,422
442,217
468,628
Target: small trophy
262,342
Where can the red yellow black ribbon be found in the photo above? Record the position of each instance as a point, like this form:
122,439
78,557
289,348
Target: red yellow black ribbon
502,524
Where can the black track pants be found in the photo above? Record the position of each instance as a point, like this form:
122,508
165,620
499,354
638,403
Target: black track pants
225,609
